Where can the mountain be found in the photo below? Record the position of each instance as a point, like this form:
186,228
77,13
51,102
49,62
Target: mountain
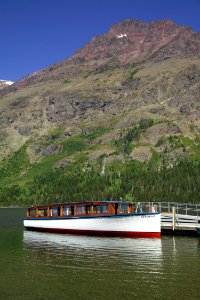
129,97
5,83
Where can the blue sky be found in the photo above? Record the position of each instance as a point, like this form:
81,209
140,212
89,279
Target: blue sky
38,33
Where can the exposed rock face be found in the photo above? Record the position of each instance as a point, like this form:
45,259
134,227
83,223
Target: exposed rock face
140,40
141,153
134,70
52,149
63,163
157,40
154,133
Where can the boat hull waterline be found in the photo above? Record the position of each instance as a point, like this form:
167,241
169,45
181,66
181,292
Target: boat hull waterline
129,225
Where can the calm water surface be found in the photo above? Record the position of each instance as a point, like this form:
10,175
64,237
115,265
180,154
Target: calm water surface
51,266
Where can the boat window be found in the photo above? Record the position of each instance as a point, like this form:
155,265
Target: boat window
42,212
80,210
67,210
104,208
32,213
55,211
87,209
96,209
124,208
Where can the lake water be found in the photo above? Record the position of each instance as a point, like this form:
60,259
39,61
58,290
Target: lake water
52,266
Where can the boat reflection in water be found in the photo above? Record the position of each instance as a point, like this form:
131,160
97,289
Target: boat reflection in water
107,267
146,248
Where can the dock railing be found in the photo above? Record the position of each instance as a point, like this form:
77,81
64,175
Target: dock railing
180,208
175,215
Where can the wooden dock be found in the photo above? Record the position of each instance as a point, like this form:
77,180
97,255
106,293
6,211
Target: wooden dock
177,218
178,224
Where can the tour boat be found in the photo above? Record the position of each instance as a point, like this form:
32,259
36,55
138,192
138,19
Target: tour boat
106,218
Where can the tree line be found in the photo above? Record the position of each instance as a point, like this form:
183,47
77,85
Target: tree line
132,180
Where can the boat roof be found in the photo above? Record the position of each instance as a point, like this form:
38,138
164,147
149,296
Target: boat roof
78,203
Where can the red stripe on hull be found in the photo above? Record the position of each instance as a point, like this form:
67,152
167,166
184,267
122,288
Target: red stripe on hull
99,233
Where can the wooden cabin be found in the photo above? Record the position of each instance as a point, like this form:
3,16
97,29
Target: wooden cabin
80,209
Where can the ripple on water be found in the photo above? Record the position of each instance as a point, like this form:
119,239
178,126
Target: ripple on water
52,266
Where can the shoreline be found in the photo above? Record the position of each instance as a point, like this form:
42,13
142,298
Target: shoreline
12,207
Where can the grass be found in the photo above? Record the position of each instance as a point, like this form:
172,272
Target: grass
125,143
155,159
193,145
12,168
184,142
132,71
74,144
97,133
15,163
55,134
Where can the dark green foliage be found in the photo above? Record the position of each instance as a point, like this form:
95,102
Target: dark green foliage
73,145
66,81
23,183
175,142
145,123
133,134
132,71
124,144
12,195
131,180
96,133
16,163
55,134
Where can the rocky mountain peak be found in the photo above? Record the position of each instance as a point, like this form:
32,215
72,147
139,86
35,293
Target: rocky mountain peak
127,42
131,25
132,41
126,25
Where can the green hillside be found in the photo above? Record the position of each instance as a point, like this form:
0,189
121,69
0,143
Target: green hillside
81,167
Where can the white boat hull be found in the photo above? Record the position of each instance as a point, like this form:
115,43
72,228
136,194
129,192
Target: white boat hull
130,225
